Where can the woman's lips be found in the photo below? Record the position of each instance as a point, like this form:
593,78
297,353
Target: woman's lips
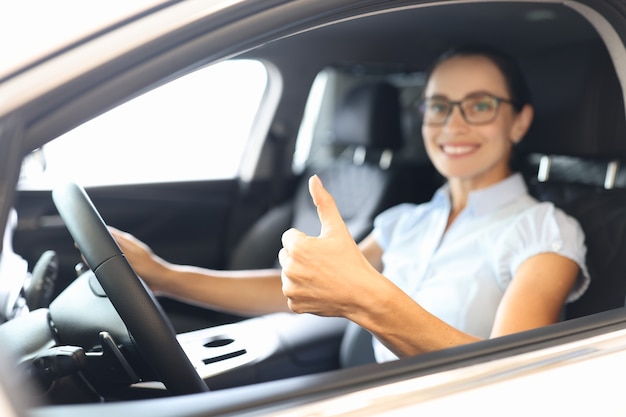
458,150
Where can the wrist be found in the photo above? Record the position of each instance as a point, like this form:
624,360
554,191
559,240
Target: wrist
161,278
375,303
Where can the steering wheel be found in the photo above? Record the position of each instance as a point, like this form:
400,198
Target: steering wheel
153,333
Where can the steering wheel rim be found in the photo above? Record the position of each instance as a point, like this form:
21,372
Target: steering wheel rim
151,330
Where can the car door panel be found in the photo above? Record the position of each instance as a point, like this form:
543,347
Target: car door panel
189,223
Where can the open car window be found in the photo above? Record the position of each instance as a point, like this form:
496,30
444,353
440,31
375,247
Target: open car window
237,122
193,128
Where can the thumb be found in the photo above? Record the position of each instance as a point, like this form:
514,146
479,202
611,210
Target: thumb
327,210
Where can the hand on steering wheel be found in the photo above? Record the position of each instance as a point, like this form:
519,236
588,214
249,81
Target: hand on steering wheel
147,323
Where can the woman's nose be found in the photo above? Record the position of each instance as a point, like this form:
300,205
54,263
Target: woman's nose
455,119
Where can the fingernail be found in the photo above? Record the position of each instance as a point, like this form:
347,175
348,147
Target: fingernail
316,178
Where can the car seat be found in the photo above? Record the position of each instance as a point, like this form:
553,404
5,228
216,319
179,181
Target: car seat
573,156
366,177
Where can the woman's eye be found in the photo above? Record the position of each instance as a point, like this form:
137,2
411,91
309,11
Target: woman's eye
482,106
438,107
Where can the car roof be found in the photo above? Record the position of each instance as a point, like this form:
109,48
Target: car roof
57,25
414,36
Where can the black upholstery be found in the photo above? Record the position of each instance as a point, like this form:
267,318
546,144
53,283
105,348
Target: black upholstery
601,213
574,156
370,117
578,102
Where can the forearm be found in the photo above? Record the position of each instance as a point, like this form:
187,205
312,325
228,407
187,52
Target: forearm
239,292
402,325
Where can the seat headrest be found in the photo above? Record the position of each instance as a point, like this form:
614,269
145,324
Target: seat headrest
579,107
579,132
369,117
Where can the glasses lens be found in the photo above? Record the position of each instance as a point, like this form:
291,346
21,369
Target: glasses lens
480,109
435,110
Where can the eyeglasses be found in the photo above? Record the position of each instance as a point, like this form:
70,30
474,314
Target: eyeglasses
476,109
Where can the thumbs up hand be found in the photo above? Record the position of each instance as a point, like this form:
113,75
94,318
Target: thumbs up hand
327,211
323,275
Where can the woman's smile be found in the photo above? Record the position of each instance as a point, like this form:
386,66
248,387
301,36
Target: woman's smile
458,149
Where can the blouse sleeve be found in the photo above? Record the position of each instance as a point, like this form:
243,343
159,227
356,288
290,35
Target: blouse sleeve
543,229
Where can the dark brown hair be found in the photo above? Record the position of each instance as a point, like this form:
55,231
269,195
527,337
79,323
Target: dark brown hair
512,73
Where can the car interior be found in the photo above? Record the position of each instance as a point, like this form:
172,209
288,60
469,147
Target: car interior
576,165
367,129
572,156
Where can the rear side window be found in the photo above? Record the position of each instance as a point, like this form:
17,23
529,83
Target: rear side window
193,128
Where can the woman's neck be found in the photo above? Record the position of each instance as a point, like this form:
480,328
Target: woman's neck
460,190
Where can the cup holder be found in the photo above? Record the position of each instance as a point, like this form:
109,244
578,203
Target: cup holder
218,343
224,348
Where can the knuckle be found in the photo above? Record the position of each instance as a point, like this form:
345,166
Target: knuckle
288,287
295,307
283,257
286,234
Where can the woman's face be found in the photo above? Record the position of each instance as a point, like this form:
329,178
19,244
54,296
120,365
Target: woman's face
475,155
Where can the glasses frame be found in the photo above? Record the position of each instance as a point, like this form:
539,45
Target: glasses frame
498,100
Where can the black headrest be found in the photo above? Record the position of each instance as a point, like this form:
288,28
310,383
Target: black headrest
369,116
579,106
579,132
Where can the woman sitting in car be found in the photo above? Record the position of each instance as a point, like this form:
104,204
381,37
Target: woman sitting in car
481,259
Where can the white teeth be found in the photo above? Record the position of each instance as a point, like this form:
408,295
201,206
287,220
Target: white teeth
457,149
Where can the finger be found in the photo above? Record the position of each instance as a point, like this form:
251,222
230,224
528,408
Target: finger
286,284
119,236
289,290
283,259
291,237
327,210
117,233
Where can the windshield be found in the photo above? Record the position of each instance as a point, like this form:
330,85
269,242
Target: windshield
32,29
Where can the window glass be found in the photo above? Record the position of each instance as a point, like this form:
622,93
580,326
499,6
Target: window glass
193,128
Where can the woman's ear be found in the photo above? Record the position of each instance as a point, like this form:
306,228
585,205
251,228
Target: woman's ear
522,123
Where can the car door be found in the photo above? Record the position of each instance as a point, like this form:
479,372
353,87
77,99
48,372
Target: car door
163,167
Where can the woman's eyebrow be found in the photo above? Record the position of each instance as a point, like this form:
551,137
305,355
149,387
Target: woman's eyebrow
481,93
468,95
442,96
